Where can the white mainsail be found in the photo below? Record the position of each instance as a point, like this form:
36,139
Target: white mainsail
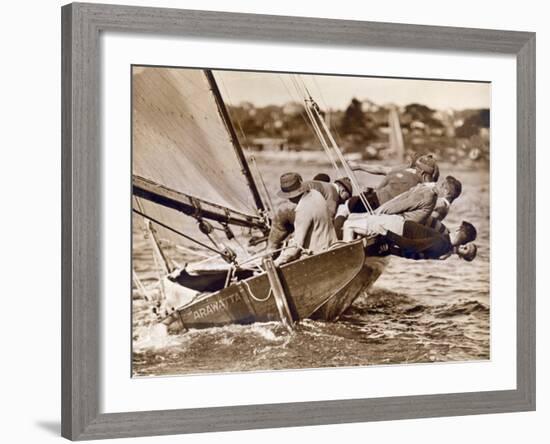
181,142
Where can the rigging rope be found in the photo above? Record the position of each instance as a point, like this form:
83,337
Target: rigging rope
332,127
322,139
253,296
153,236
297,99
159,277
162,266
221,253
314,114
251,259
315,126
307,118
269,202
347,168
141,288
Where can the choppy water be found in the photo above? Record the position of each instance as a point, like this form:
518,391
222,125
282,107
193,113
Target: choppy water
417,312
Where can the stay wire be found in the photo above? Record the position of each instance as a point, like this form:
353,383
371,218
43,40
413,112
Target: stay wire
185,236
315,124
317,116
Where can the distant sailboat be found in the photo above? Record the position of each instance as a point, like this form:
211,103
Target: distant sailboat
397,146
193,186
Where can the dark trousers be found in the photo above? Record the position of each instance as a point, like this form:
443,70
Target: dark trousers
356,203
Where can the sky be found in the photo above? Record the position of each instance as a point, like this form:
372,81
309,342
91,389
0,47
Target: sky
335,92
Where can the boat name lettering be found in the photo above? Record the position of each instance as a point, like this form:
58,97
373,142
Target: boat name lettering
216,306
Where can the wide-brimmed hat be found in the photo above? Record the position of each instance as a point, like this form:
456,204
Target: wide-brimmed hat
346,183
291,186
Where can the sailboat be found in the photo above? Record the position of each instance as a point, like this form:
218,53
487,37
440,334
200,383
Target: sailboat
192,185
396,144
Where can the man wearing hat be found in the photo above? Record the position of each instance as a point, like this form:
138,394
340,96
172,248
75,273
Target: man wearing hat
313,229
335,194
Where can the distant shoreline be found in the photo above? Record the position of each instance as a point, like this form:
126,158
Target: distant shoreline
320,159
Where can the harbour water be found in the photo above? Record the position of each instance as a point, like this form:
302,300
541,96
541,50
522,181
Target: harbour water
417,312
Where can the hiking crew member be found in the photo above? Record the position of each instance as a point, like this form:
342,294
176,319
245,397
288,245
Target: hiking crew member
410,239
415,205
396,181
322,177
442,207
371,225
435,224
282,224
420,242
335,193
418,203
313,229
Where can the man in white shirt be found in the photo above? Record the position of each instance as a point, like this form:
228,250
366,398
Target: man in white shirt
313,228
335,194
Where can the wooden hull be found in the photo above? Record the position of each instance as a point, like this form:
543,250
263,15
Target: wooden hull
333,308
322,286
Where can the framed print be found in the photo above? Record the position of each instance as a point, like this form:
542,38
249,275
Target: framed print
302,215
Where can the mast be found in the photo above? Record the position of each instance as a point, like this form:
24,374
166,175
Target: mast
234,139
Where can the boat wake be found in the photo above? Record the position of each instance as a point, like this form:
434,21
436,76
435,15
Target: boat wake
384,328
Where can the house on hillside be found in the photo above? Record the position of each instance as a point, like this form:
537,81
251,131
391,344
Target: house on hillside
270,144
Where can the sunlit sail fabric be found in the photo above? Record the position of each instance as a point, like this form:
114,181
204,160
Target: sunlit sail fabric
180,141
396,136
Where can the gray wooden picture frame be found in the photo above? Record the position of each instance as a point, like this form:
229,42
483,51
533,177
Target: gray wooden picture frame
81,206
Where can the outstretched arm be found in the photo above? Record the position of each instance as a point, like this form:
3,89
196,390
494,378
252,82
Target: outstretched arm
372,169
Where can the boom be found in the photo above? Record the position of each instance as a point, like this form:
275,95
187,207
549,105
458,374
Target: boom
192,206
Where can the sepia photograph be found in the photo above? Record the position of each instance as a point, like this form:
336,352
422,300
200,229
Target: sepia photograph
295,221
